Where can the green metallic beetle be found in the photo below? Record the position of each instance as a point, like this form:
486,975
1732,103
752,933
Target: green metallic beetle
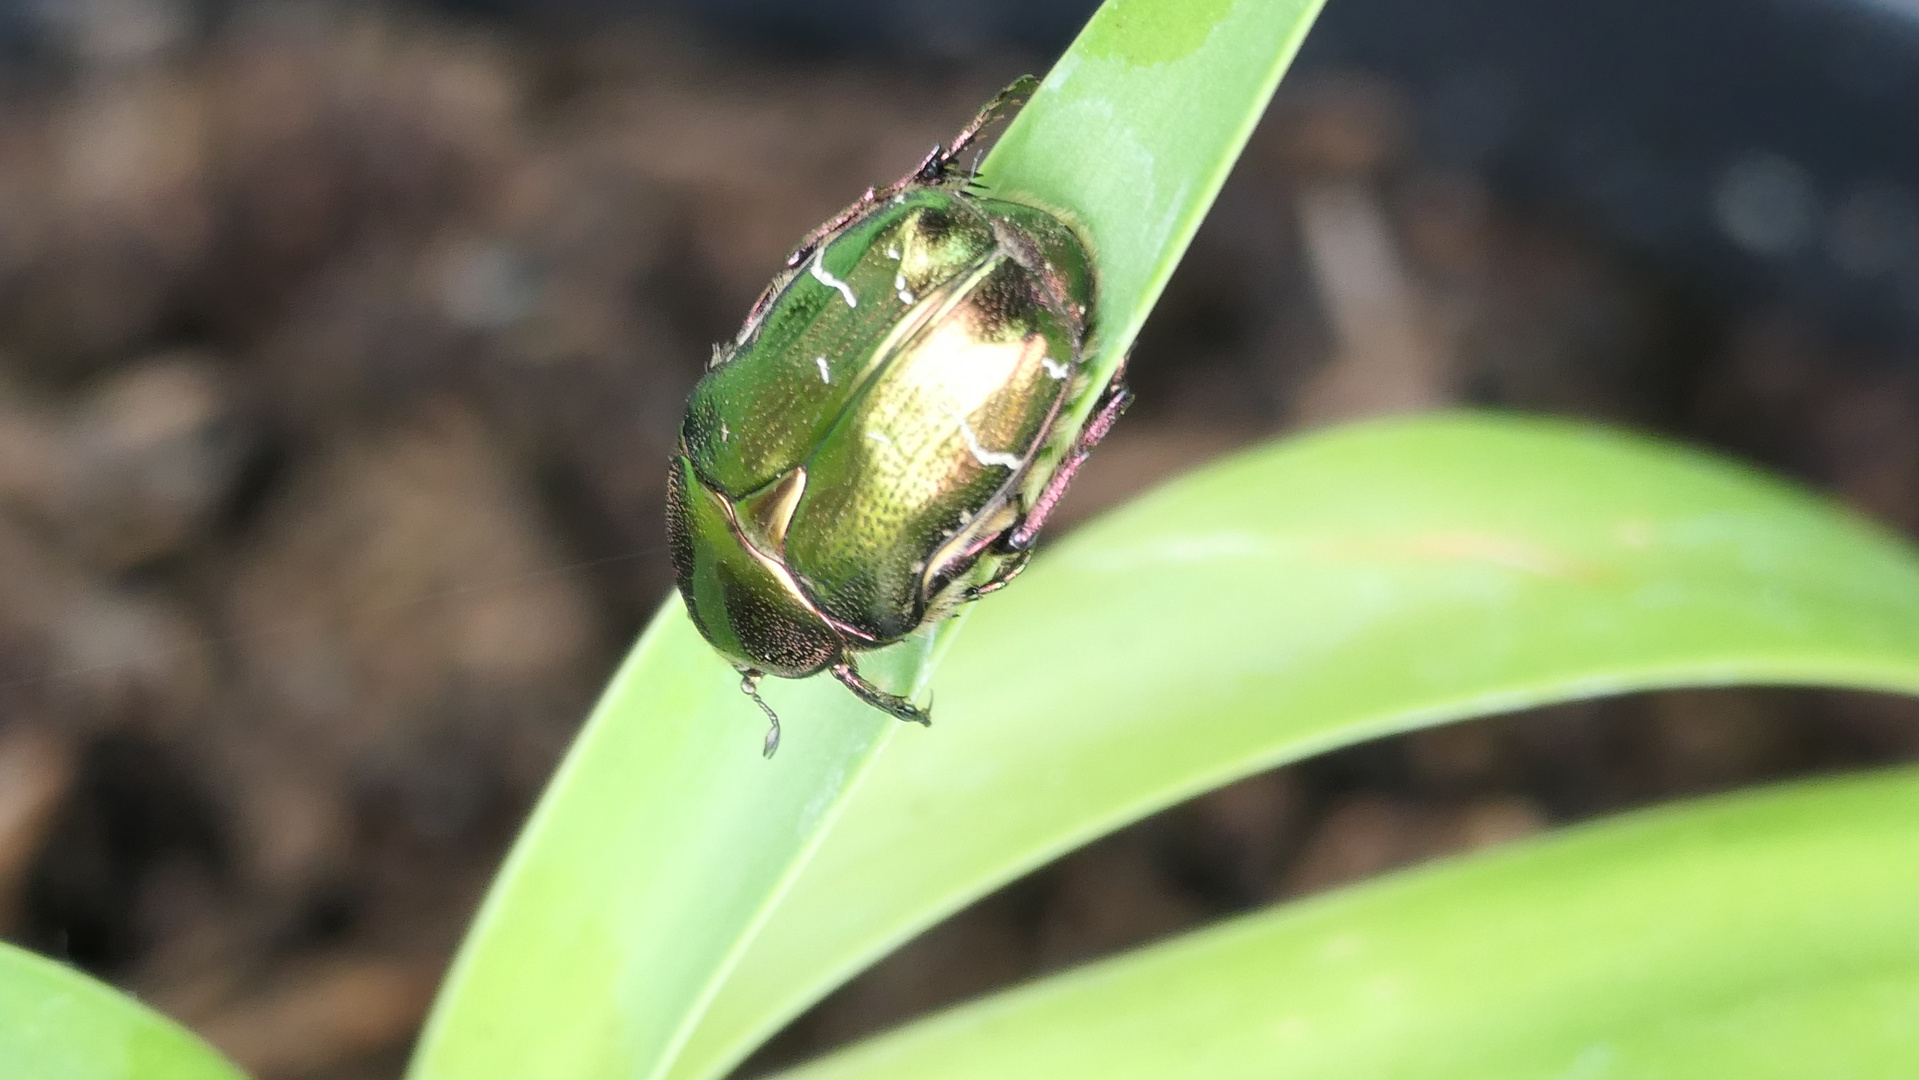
885,437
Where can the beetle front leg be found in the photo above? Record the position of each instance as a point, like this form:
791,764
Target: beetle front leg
898,706
865,202
1111,405
929,171
1004,103
933,169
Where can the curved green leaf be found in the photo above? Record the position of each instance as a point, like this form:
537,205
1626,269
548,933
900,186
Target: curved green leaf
657,848
1134,131
1311,595
58,1024
1767,937
664,841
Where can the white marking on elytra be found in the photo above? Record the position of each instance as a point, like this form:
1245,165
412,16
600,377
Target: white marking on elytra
893,253
982,454
879,437
818,270
899,286
825,376
725,434
1053,367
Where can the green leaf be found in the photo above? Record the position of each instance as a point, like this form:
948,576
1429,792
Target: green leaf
1767,937
656,849
664,840
58,1024
1134,131
1311,595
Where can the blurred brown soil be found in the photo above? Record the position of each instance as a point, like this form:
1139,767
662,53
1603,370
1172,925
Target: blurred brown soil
339,360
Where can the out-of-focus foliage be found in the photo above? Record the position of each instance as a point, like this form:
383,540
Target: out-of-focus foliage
59,1024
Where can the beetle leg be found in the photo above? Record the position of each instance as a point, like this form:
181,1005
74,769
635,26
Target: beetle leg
932,170
750,686
1003,576
1006,101
1111,404
840,220
898,706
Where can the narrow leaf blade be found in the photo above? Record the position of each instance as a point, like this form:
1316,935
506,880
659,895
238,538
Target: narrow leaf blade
656,850
1133,132
1129,137
1765,936
1312,595
661,845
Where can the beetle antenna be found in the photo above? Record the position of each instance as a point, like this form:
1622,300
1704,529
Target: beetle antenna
750,686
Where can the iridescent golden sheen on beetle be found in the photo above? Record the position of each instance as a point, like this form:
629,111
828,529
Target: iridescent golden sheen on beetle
884,439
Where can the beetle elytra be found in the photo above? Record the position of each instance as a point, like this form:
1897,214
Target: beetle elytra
885,437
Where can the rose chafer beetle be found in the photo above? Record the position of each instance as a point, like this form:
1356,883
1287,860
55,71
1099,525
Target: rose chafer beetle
888,432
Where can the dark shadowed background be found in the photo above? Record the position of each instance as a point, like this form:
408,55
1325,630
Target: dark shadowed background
342,346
